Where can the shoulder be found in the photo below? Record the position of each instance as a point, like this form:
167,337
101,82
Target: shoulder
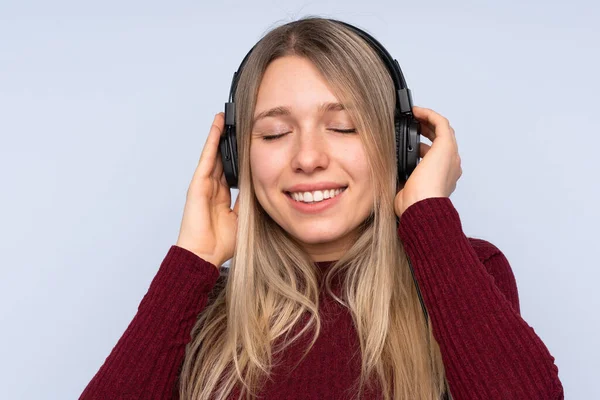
498,267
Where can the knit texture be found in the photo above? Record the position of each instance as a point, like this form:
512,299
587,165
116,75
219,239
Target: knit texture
468,288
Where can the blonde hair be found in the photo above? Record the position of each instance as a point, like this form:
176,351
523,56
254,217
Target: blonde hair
273,286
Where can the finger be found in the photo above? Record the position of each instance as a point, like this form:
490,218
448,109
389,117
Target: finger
425,123
218,170
427,131
440,124
206,164
423,149
223,179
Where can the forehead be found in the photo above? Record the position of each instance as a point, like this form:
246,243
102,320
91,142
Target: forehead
294,82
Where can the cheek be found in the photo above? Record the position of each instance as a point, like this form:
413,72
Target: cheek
356,160
264,169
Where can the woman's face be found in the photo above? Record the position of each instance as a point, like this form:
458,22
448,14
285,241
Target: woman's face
309,156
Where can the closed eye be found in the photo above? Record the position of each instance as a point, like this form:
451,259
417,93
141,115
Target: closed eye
273,137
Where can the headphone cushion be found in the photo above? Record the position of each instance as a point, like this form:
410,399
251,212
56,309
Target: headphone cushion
400,134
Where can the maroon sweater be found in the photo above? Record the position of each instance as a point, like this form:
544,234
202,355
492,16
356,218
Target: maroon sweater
468,287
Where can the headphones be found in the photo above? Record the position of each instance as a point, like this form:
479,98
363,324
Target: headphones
406,126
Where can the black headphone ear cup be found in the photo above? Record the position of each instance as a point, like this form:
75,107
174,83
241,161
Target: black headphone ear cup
407,146
228,150
413,143
400,133
235,161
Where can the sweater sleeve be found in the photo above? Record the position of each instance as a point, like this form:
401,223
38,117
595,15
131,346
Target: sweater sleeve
146,360
488,350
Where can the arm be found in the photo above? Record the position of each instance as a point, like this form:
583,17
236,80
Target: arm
146,360
488,350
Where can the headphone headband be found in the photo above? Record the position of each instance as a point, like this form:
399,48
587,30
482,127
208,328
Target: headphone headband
403,96
406,127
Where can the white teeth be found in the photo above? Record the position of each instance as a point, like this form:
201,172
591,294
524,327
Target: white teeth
316,196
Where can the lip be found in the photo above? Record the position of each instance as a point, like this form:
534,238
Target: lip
310,187
314,208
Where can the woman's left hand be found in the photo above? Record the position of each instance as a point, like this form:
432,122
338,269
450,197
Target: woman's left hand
439,170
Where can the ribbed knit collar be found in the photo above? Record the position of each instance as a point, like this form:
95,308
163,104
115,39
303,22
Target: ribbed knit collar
324,265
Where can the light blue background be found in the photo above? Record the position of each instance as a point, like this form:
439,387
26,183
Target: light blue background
104,110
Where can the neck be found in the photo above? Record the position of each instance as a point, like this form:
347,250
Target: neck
330,251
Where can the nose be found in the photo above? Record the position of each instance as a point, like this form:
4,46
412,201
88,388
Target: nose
310,153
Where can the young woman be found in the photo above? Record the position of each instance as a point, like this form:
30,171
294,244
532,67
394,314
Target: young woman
319,301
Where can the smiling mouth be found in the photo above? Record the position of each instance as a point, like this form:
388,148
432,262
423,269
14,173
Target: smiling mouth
289,194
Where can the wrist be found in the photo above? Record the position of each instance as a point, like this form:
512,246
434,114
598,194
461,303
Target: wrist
209,258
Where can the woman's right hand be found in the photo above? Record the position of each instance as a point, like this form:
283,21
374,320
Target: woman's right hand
209,225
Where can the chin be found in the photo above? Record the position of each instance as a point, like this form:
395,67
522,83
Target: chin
317,235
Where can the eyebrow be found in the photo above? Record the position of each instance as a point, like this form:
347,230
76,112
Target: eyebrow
285,111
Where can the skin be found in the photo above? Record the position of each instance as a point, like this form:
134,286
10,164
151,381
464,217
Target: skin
310,151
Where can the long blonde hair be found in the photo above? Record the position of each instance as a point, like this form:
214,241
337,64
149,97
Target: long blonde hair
273,286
